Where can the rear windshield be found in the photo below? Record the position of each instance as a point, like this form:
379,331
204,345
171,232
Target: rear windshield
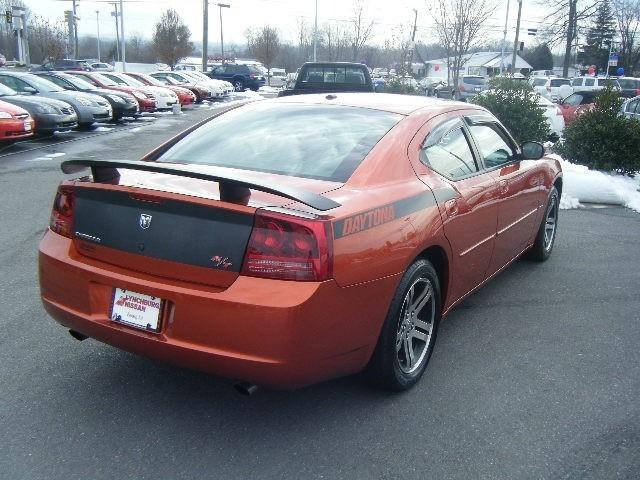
473,80
333,74
325,142
538,82
556,82
629,83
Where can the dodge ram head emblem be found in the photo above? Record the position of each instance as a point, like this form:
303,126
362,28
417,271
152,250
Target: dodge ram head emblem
145,221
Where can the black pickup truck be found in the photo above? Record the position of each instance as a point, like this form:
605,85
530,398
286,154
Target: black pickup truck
329,77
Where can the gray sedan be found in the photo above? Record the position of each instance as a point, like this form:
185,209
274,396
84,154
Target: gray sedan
90,108
631,108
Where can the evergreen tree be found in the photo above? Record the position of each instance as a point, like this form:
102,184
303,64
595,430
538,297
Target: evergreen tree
599,38
539,57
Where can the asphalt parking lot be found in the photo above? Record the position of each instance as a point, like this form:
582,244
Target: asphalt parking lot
536,376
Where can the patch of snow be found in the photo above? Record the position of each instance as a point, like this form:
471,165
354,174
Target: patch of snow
38,159
137,129
102,129
55,154
580,184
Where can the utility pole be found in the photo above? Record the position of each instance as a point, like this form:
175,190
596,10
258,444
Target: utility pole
115,14
504,38
98,30
75,30
515,43
315,35
124,56
205,35
222,5
413,42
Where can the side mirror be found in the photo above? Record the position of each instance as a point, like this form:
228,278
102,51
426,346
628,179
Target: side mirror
532,151
29,90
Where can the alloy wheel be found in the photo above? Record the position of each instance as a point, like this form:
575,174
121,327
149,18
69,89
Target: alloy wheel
415,327
550,224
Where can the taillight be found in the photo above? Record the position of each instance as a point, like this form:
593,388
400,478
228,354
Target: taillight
637,91
61,220
461,88
286,247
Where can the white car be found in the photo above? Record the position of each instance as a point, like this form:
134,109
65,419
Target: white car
553,114
217,90
589,84
538,83
101,67
553,88
165,98
226,87
277,77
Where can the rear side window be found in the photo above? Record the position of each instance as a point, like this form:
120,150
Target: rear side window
577,82
632,106
450,155
557,82
589,82
325,142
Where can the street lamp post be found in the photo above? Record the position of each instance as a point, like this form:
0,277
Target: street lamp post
98,30
222,5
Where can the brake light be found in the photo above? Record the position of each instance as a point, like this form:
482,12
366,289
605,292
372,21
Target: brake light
461,88
61,220
253,75
286,247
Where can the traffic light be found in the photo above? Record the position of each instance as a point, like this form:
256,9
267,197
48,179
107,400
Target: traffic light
521,46
9,17
68,16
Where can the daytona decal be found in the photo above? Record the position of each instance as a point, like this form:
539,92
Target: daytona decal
378,216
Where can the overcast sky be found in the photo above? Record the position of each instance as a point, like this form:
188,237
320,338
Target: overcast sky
141,15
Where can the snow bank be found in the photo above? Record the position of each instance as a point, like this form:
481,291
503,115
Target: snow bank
583,185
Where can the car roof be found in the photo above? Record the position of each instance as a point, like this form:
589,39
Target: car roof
389,102
340,64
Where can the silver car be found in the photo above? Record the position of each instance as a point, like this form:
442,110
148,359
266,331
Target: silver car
90,108
631,108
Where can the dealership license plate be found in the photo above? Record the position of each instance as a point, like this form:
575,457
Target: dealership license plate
27,126
136,309
477,89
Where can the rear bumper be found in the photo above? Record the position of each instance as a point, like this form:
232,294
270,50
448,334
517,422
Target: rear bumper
274,333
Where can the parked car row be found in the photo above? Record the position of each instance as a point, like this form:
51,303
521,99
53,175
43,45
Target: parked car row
46,101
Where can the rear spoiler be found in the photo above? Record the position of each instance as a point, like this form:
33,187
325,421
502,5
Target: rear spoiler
232,187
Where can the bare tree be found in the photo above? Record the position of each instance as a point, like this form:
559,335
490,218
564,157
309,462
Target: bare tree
459,24
171,38
627,14
564,23
264,45
47,39
362,30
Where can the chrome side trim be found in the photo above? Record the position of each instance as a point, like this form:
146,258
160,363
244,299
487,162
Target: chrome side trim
473,247
500,232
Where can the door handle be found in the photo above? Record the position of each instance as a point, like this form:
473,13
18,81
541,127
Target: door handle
451,206
503,186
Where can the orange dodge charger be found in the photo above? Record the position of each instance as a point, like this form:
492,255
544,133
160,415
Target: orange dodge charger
289,241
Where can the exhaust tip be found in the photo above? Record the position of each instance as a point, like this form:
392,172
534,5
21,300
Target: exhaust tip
77,335
245,388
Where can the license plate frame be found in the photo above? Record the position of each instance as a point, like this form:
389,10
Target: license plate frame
136,310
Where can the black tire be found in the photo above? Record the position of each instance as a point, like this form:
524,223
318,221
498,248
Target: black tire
386,368
543,244
238,85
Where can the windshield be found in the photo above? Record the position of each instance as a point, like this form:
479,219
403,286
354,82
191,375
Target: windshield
42,85
149,78
311,141
132,82
79,83
104,80
6,91
538,82
629,83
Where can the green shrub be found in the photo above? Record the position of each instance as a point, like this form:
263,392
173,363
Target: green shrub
515,104
396,85
601,139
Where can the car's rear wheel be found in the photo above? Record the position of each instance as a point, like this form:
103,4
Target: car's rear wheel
546,236
238,85
409,331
